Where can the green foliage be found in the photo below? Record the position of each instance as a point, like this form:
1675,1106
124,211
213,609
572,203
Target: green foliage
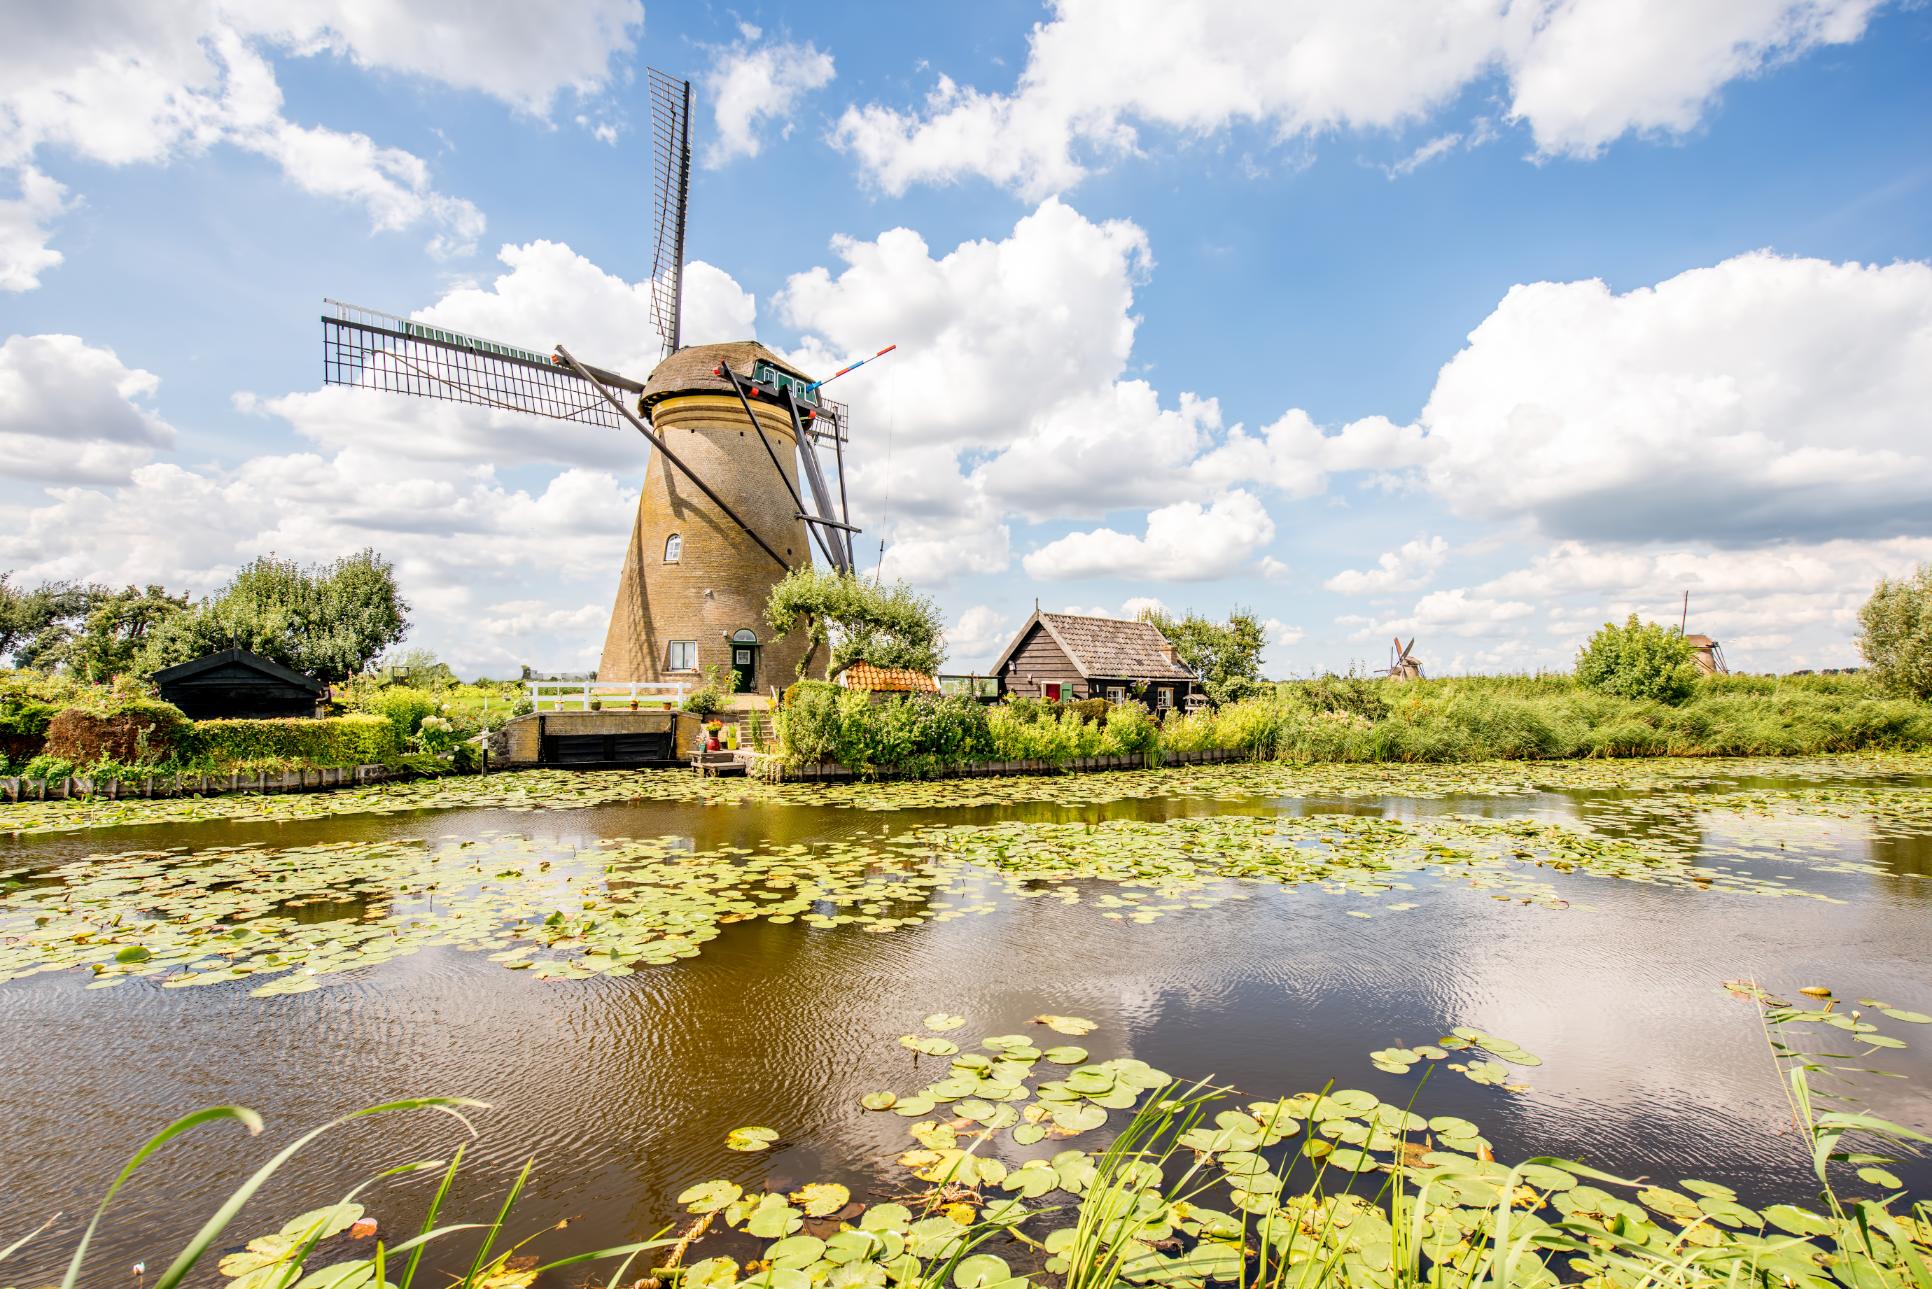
1130,731
1225,655
1345,695
48,767
1643,660
439,736
37,624
1897,633
887,626
330,621
403,707
712,696
359,739
909,734
118,727
28,701
416,668
1461,719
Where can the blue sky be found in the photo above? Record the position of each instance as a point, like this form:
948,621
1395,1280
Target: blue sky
1366,318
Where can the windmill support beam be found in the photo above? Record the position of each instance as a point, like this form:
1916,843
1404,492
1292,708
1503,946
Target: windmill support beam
821,495
672,457
739,389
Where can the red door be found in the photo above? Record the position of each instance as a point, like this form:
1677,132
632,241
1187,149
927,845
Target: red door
1053,691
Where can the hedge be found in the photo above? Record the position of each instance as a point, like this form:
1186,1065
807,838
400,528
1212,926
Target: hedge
130,731
329,741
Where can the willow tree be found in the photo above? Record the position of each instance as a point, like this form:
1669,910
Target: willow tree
1896,635
858,621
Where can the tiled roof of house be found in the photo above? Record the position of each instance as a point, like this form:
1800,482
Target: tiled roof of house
1112,647
887,680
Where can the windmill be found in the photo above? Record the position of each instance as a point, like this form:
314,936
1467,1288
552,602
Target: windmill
722,516
1403,664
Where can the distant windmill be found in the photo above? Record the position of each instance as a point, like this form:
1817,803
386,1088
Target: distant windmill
1706,654
1403,664
713,532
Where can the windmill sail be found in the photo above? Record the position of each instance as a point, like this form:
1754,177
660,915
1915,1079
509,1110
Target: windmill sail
370,349
670,195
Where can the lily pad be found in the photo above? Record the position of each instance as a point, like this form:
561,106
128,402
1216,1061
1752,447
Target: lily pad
709,1197
750,1139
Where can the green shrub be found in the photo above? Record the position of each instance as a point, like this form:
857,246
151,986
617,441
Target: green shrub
1026,709
403,707
1638,660
48,767
1350,695
142,731
1897,636
1090,709
439,736
359,739
1188,732
1130,731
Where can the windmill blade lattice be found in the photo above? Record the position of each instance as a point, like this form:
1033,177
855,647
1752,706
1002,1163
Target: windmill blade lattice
670,100
370,349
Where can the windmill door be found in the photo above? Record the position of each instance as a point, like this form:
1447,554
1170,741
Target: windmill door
744,662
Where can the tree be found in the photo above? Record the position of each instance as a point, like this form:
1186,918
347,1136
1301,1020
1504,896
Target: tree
887,626
1897,636
36,626
1225,655
328,620
1639,660
116,629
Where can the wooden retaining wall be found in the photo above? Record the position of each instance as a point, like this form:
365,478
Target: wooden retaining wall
198,785
832,771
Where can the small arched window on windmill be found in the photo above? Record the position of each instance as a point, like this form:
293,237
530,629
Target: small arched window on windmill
673,548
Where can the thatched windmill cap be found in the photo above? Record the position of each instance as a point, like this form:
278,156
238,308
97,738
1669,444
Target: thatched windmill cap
691,370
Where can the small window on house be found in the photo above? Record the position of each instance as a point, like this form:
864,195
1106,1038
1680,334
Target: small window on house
683,656
673,548
1053,691
1163,698
1116,694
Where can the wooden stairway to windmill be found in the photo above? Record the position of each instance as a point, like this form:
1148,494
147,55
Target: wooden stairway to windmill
722,516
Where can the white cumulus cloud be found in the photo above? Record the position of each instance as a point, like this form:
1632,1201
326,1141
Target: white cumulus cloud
1579,74
1405,568
1184,542
120,82
1760,398
753,86
71,412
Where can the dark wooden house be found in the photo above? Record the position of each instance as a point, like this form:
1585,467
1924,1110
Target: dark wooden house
238,684
1063,656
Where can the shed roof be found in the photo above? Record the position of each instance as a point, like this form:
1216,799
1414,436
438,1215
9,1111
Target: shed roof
690,369
242,657
1107,648
887,680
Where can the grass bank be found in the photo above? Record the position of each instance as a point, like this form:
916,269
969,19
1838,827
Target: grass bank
1352,719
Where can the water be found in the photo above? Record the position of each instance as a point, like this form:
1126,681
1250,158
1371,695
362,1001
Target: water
623,1089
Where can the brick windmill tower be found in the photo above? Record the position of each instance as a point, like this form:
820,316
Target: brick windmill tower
737,435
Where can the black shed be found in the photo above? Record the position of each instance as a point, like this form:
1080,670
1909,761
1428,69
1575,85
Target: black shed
238,684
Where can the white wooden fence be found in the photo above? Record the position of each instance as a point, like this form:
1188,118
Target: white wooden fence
577,695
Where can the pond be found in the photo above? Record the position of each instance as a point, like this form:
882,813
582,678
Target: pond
628,967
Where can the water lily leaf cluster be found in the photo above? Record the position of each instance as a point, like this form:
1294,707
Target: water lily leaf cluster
1019,1174
291,919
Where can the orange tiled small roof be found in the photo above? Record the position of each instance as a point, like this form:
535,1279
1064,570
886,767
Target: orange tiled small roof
887,680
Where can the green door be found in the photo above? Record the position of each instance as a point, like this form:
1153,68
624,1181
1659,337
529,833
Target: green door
744,662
